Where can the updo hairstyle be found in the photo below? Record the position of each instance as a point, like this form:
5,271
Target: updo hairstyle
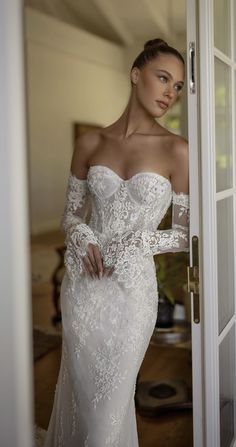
152,49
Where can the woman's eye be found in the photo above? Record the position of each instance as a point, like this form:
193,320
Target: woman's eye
178,87
163,77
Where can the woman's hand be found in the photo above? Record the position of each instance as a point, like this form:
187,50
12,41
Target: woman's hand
93,263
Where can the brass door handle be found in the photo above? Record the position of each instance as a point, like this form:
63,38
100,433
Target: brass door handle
193,279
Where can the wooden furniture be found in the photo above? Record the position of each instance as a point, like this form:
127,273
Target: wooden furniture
57,277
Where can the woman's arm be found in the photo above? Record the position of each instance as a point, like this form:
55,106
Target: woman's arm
176,238
83,247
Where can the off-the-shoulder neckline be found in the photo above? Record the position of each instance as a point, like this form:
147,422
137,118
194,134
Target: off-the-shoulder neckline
130,179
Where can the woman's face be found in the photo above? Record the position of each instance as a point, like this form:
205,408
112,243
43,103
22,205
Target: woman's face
161,79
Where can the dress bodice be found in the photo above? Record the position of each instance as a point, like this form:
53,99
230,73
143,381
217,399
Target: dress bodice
123,221
118,205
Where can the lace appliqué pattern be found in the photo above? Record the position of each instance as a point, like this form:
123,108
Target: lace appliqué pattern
106,372
78,233
108,323
116,420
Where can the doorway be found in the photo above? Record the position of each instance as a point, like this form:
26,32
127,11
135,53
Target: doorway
66,77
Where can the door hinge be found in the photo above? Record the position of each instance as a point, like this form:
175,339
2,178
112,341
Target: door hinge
193,279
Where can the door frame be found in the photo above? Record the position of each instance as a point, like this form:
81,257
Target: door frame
195,191
208,260
209,249
16,353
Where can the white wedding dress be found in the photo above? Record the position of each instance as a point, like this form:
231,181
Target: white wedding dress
107,323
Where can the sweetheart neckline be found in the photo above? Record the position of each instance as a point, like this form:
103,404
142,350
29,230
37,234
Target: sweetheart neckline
176,194
135,175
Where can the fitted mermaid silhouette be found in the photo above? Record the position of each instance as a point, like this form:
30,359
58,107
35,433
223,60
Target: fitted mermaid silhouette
107,323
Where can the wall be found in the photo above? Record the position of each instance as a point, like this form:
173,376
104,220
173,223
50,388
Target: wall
72,75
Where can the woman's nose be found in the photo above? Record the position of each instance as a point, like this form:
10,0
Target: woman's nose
170,91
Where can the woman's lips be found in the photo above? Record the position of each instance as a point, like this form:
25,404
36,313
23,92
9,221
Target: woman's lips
162,105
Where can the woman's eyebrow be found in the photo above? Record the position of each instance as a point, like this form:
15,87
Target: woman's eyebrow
167,72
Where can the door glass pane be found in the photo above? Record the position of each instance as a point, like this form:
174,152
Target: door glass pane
225,257
227,388
223,126
222,25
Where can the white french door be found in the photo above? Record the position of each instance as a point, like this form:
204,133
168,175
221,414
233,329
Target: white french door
211,29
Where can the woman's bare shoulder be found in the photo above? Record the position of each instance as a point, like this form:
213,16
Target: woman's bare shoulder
87,141
180,148
176,151
171,139
85,145
179,157
176,141
175,145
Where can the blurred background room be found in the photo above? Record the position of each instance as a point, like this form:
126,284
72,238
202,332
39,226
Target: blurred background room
78,56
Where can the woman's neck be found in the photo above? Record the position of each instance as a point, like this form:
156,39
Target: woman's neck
135,119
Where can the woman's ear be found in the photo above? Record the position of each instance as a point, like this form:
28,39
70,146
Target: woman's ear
134,75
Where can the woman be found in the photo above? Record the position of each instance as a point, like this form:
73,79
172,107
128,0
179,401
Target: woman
131,171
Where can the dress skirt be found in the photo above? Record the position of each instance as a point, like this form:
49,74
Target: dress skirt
106,328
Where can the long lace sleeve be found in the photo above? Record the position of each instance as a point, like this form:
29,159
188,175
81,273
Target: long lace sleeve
175,239
73,222
124,248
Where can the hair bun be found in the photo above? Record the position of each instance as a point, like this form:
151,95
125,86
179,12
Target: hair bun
155,43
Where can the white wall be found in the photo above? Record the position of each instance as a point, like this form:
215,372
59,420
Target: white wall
72,75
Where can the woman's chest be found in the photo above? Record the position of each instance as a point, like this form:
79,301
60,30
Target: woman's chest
127,158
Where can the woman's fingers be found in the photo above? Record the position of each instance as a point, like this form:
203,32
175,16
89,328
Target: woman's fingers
91,254
98,260
93,263
108,271
88,266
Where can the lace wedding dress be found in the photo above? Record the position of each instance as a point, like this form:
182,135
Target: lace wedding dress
107,323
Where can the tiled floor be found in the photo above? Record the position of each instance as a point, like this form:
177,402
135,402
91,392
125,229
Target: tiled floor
169,430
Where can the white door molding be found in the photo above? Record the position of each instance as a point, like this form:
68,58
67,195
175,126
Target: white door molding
16,385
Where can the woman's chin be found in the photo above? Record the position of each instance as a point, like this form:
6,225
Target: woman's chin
158,114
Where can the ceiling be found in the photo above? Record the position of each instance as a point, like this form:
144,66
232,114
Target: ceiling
124,22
